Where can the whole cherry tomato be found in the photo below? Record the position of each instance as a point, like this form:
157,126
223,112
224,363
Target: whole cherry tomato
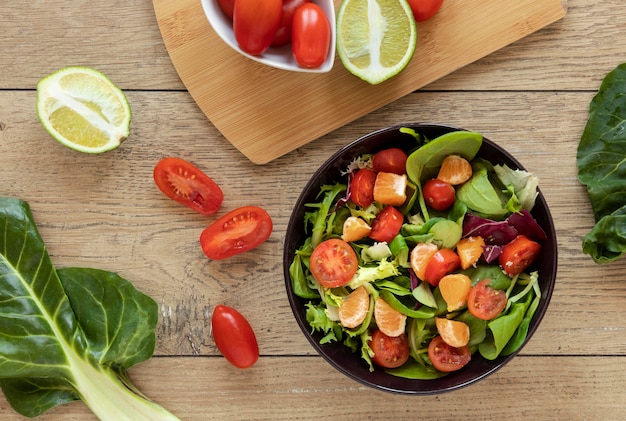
391,160
438,194
234,336
424,9
310,36
255,23
283,34
227,6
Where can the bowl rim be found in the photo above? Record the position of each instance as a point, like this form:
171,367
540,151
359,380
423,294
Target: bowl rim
330,352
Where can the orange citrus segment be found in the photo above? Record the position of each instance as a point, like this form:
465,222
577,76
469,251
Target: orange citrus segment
453,332
354,307
389,320
455,170
469,250
355,228
420,256
390,189
454,289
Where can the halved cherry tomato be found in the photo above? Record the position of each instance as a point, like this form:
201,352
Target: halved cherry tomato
186,184
238,231
447,358
391,160
310,36
283,34
387,224
227,7
443,262
333,263
438,194
389,351
484,302
424,9
255,23
362,187
234,336
518,255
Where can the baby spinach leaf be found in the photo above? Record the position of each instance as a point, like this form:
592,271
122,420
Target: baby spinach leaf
601,161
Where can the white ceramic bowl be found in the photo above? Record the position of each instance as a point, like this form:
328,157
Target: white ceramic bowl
278,57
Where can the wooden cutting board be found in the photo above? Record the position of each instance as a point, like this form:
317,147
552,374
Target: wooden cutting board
266,112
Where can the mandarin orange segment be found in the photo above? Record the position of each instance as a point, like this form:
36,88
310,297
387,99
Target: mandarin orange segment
453,332
389,320
469,250
354,229
420,255
390,189
455,170
354,307
455,289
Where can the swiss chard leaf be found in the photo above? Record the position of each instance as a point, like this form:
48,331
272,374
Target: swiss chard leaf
601,161
68,334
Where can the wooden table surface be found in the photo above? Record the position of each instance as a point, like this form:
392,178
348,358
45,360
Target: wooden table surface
105,212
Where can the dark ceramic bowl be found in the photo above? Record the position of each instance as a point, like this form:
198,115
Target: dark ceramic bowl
341,357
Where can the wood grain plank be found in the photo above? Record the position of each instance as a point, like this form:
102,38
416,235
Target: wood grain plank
570,54
226,85
537,388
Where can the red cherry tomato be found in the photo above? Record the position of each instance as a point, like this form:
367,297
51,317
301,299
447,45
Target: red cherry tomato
447,358
438,194
227,6
183,182
283,34
518,255
441,263
484,302
389,351
255,23
386,225
425,9
391,160
234,336
333,263
310,36
238,231
362,187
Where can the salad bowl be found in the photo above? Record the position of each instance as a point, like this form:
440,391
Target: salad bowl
277,57
343,358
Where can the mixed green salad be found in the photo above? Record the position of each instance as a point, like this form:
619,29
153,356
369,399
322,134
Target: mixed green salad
419,260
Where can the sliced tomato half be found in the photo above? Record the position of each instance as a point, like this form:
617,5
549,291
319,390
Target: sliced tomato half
188,185
238,231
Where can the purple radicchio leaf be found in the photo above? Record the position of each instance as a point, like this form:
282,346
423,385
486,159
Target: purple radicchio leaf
525,224
491,252
493,232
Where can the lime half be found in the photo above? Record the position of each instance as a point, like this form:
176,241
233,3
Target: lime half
81,108
376,39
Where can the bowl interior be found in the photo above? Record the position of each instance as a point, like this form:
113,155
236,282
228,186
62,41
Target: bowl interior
278,57
341,357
